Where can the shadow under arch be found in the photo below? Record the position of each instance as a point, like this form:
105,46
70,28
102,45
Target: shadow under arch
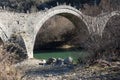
111,33
75,19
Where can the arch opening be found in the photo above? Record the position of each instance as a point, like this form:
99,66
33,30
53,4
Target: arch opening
60,33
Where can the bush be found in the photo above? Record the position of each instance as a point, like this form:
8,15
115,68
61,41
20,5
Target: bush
16,53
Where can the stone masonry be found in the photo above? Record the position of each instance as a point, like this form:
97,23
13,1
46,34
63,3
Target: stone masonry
28,25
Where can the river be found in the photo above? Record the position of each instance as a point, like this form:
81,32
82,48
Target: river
75,54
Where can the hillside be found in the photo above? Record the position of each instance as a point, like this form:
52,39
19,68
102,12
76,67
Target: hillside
36,5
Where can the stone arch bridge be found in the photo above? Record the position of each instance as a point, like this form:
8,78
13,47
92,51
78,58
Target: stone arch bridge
28,25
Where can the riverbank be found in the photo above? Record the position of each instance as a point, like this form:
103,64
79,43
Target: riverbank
101,70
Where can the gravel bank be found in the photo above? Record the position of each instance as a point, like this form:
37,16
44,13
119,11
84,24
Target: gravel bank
34,71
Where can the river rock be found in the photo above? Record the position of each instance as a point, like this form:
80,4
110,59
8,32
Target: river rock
59,61
50,61
68,60
42,62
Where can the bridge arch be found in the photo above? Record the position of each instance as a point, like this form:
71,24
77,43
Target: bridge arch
69,12
72,14
110,34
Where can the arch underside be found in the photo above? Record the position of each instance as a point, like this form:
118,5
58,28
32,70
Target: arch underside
82,28
64,11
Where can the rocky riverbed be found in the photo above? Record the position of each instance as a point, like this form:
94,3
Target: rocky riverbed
101,70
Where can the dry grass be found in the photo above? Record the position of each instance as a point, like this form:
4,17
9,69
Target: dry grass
7,59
